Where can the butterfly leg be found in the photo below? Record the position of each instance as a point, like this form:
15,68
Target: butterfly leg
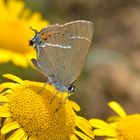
60,104
66,98
54,96
42,88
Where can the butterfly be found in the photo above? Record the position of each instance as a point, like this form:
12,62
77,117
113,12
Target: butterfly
62,51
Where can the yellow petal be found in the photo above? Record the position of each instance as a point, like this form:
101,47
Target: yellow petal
82,136
13,78
114,125
101,132
7,120
25,138
4,112
14,7
3,107
9,127
8,91
117,108
73,137
18,59
18,135
97,123
3,99
112,139
84,126
26,13
7,85
113,118
75,106
83,120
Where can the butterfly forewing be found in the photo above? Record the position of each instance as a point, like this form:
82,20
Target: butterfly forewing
79,29
72,30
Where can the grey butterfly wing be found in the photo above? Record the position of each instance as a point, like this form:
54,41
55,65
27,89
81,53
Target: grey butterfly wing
62,33
44,63
79,28
80,33
72,64
63,64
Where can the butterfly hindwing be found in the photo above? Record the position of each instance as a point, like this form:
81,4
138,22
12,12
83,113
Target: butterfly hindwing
61,63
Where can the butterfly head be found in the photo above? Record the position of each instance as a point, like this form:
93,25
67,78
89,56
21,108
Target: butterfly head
36,41
63,88
69,88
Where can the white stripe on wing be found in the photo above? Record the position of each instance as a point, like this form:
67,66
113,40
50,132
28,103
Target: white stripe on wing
56,45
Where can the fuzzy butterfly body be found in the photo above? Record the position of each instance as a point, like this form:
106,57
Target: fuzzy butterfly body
62,51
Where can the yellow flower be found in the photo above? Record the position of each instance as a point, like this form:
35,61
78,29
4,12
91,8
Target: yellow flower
15,21
27,114
121,127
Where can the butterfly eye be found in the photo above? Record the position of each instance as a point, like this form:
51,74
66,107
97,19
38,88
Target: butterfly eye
70,88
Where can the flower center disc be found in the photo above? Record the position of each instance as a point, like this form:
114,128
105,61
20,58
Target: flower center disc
128,128
34,112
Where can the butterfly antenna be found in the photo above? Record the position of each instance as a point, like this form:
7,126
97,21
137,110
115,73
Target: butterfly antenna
33,30
60,103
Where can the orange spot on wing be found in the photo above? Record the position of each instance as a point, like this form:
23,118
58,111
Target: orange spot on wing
50,33
44,36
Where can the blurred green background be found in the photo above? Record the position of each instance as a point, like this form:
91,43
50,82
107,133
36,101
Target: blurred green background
112,69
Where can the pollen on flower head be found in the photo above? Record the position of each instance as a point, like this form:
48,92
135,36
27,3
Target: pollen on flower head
129,128
30,114
35,113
